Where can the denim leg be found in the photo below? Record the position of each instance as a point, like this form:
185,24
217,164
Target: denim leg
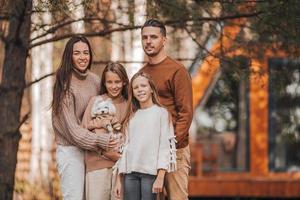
132,185
147,181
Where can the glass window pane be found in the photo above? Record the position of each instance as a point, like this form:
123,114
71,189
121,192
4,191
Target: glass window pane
284,115
222,119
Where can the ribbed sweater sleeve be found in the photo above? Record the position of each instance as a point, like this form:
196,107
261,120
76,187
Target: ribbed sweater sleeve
184,105
87,117
81,136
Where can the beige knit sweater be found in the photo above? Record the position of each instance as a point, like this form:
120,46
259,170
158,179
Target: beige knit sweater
67,123
94,161
150,143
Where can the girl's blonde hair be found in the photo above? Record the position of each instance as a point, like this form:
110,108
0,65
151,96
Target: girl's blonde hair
133,104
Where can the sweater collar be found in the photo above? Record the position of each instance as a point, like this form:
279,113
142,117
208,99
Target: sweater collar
163,60
79,74
119,100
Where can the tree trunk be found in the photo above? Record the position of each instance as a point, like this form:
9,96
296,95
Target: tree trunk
11,92
41,96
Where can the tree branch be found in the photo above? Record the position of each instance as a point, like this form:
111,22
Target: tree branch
135,61
23,120
200,45
53,29
125,27
219,56
38,80
221,18
90,34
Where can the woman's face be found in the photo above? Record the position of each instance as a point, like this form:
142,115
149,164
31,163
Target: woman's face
113,84
142,91
81,56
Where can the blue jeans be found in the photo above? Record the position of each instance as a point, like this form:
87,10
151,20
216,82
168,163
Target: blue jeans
138,186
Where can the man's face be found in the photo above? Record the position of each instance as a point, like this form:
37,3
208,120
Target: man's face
152,40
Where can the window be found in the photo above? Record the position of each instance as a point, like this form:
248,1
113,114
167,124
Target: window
284,115
222,119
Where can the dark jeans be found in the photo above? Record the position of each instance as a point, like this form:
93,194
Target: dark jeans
138,186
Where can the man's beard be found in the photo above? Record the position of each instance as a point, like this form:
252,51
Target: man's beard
154,53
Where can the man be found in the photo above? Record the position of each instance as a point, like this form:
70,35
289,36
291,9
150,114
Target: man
174,86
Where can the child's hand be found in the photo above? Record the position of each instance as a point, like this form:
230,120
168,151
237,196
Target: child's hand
112,155
159,181
117,126
98,123
118,188
158,185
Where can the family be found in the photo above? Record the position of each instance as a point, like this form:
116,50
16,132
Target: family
121,139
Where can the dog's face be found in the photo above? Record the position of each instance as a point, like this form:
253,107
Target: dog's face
103,110
101,107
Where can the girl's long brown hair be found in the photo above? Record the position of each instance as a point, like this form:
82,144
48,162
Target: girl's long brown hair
133,104
64,72
118,69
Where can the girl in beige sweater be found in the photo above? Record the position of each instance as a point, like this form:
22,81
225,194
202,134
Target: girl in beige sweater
99,177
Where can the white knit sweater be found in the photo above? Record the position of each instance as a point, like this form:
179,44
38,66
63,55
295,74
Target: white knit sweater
150,143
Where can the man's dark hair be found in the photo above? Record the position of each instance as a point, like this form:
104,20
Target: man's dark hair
156,23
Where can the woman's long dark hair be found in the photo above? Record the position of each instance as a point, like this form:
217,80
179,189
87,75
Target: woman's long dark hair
64,72
118,69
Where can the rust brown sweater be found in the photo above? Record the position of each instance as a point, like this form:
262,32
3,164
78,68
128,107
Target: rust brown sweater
94,161
174,87
67,124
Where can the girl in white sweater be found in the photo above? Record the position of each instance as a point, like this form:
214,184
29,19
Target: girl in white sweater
149,151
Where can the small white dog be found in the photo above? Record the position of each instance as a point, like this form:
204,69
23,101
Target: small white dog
105,109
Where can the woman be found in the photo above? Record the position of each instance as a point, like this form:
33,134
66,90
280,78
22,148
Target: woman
73,88
99,173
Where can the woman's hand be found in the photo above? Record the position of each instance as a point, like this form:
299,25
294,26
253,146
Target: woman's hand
159,181
118,187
